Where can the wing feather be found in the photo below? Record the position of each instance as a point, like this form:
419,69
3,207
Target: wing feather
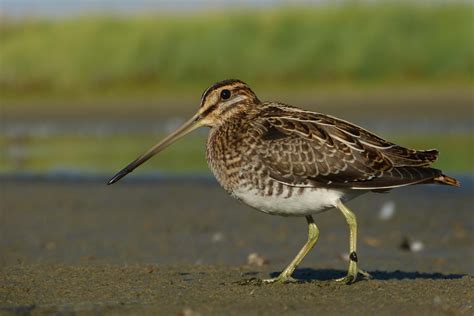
307,149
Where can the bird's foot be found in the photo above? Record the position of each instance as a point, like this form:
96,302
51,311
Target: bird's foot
348,279
365,274
282,278
351,276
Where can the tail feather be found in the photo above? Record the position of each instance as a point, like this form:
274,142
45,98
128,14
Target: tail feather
403,157
447,180
403,176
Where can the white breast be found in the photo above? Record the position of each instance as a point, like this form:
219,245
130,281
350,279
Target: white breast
301,202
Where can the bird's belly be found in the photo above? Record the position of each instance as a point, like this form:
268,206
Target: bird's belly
301,202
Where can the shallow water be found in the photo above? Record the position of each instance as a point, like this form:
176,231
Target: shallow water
101,138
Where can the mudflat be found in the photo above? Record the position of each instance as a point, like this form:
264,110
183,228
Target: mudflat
182,246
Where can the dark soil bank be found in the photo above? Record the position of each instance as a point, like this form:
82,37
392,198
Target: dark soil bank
182,247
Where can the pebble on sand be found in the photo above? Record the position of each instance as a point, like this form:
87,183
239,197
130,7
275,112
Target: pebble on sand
344,256
413,246
217,237
372,241
189,312
256,260
387,211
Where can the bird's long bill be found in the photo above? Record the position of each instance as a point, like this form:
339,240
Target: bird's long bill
187,127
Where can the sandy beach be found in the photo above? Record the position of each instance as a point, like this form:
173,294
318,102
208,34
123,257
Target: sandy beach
181,247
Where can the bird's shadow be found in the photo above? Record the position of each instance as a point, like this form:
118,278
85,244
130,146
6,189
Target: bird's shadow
308,275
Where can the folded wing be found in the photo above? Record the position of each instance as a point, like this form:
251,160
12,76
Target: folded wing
306,149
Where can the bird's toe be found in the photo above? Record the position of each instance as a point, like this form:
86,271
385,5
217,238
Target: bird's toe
280,279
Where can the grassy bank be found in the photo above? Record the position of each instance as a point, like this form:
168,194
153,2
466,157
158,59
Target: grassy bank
365,44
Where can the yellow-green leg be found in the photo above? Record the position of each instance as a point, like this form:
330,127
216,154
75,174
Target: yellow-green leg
313,234
352,222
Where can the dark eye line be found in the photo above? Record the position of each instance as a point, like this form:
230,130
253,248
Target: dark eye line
209,110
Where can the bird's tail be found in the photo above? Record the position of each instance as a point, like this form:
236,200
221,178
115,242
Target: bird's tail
443,179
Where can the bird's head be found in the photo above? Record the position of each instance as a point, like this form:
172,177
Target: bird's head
218,103
223,100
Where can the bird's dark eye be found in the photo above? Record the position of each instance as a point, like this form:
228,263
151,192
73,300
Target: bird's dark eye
225,94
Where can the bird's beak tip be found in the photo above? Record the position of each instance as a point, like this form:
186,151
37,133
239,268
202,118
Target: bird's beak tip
119,176
112,181
187,127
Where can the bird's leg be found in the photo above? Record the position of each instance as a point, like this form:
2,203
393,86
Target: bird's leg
313,234
352,222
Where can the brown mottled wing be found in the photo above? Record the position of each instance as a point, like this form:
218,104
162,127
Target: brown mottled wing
307,149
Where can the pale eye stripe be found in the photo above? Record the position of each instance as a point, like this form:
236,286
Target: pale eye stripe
234,100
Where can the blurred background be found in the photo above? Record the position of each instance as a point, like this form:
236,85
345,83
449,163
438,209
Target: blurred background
86,86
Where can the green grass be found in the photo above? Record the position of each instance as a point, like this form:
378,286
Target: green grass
381,43
110,154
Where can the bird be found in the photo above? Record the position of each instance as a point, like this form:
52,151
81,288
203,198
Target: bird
287,161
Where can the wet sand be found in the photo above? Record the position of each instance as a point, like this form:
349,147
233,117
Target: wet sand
181,247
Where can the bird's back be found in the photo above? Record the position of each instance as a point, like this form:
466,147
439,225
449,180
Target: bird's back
304,149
